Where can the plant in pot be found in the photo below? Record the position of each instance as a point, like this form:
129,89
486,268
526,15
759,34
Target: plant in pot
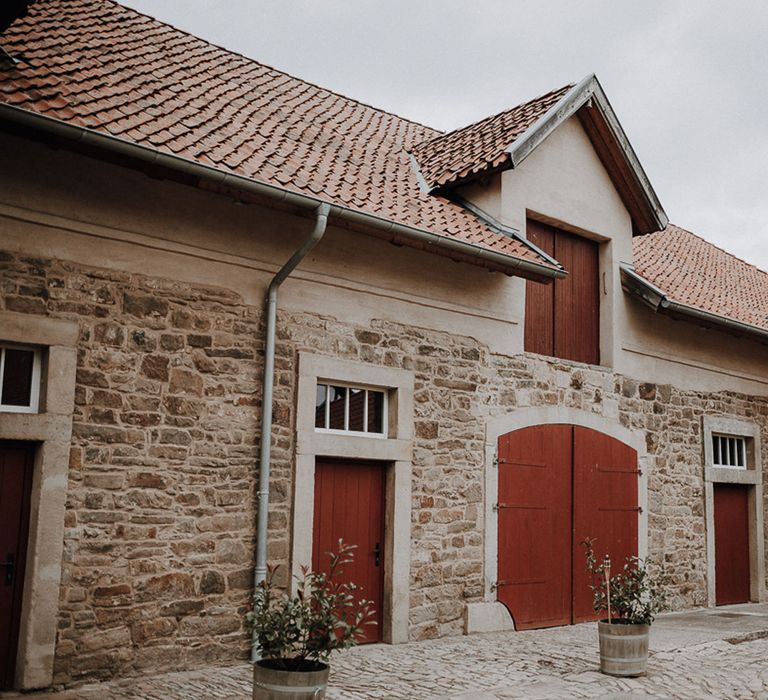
295,634
631,599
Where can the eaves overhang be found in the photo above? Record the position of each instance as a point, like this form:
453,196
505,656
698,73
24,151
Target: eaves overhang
589,102
400,234
656,299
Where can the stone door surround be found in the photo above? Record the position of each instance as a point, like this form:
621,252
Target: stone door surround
51,429
395,449
751,477
491,615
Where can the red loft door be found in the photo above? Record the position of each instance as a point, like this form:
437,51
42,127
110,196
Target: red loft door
349,505
15,486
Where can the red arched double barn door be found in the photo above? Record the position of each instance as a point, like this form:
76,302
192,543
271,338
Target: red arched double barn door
559,484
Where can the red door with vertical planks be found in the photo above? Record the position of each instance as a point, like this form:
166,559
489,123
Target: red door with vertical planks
731,544
604,508
16,461
559,484
562,319
539,332
349,505
534,525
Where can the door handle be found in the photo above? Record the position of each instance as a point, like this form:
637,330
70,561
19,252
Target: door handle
8,564
377,554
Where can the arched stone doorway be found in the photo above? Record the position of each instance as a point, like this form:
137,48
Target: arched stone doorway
557,485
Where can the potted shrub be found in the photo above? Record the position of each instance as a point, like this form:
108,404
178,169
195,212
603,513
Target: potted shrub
631,600
296,634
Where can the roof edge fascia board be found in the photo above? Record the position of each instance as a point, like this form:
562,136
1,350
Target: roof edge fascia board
589,91
509,231
430,240
656,299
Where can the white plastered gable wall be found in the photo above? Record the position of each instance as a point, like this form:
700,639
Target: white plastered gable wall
563,182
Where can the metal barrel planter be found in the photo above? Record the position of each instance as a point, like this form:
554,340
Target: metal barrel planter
274,684
623,648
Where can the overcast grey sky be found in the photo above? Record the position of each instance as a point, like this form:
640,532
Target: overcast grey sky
687,78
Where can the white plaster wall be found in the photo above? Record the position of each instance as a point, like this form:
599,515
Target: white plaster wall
485,194
59,204
54,203
564,183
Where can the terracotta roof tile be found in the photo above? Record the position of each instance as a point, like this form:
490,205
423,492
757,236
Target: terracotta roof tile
692,271
481,147
98,64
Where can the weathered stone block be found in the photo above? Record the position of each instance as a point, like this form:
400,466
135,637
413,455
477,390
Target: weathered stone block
109,333
173,585
212,582
142,632
143,305
155,367
180,608
231,552
117,594
185,382
209,625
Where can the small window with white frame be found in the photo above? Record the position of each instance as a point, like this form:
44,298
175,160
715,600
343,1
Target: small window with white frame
350,409
20,378
729,451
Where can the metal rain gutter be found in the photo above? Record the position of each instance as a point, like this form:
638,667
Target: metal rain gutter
508,264
657,300
265,452
505,230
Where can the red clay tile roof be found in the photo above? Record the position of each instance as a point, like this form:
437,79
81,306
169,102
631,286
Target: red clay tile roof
692,271
97,64
481,147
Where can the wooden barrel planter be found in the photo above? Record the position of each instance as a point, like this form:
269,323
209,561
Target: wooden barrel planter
623,648
276,684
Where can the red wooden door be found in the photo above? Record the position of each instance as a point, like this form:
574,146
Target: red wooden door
604,508
731,544
15,486
557,485
577,300
534,579
562,319
539,333
349,505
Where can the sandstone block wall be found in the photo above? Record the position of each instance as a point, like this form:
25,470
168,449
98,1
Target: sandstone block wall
160,510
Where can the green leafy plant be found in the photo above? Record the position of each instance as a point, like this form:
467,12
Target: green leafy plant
637,596
299,632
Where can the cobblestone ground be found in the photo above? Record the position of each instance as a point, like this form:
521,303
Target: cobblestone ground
557,663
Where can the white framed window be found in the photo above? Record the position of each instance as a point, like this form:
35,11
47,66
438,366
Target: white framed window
345,408
729,451
20,369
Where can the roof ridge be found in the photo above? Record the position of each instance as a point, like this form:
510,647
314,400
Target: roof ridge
720,248
490,117
272,68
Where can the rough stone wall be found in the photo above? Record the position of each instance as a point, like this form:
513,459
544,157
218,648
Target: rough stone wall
458,385
160,511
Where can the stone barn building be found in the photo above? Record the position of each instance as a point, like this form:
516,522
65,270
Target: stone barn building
493,346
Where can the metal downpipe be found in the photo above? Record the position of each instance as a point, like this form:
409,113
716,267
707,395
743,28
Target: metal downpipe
260,571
